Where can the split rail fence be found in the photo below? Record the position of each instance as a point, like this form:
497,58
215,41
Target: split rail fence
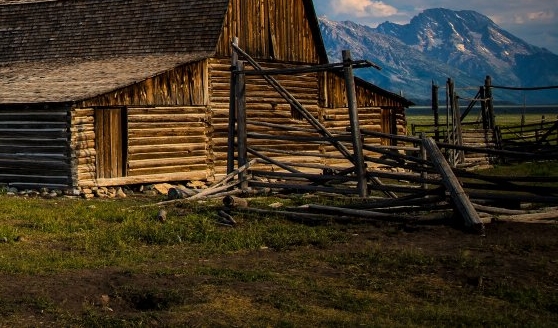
540,138
411,176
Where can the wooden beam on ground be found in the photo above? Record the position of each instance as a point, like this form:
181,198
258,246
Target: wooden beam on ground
458,195
355,212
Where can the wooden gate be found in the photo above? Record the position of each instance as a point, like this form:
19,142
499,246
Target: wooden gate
111,142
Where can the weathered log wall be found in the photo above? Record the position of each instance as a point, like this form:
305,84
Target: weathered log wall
82,143
34,145
167,140
163,144
333,94
270,29
264,104
322,94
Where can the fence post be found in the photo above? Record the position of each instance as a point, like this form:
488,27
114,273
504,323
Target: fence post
458,129
436,113
482,92
355,128
240,96
488,90
423,174
232,109
452,132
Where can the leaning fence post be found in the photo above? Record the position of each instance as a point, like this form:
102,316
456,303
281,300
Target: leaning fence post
240,96
232,109
355,128
452,184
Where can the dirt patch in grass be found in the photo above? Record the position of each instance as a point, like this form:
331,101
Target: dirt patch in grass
379,274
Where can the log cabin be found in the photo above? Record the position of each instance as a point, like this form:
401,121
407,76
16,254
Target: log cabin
118,92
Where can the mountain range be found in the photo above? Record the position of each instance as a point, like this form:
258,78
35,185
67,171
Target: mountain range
438,44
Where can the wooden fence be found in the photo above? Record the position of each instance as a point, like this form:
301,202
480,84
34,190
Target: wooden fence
540,137
405,174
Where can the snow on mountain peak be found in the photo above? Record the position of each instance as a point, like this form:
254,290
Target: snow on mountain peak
438,44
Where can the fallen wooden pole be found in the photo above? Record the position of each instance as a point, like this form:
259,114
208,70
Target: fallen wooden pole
214,190
231,201
497,210
357,213
233,174
270,160
287,214
511,187
302,176
525,198
533,217
400,202
303,187
395,155
457,194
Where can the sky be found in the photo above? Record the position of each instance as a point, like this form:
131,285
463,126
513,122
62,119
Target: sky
535,21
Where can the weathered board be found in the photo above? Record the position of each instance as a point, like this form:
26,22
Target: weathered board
185,85
269,29
34,145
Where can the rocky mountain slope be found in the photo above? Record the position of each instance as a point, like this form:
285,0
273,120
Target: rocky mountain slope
441,43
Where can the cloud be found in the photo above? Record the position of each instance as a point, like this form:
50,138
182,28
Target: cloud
541,16
362,8
532,20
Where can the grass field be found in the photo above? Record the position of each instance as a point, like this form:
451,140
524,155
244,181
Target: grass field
110,263
505,119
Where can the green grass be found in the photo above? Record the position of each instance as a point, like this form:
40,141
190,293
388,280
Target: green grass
527,169
266,271
501,119
104,233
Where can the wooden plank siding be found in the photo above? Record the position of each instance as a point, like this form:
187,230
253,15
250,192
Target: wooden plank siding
185,85
333,95
270,29
34,145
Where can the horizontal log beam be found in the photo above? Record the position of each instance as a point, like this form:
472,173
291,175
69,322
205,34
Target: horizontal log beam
148,178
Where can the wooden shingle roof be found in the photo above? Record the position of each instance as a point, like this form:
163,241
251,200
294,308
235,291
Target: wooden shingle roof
67,50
